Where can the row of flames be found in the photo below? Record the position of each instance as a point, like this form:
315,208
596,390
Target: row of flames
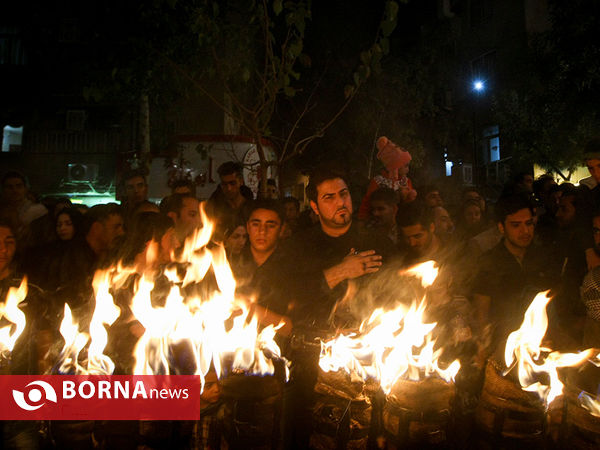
220,331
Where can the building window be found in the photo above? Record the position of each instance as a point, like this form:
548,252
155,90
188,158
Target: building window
11,47
491,139
12,139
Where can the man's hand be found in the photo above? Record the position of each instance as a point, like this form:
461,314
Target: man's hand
354,265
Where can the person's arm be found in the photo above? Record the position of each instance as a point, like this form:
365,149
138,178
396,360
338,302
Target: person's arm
353,265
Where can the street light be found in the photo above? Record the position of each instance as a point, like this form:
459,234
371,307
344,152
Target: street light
479,85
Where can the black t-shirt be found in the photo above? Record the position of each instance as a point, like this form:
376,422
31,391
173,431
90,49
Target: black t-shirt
310,253
268,283
510,284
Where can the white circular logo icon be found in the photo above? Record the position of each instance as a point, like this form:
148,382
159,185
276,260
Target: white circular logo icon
31,401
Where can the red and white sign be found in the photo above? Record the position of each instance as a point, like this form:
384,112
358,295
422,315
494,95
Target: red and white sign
100,397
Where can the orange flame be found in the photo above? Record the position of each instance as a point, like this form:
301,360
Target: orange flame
10,310
391,344
524,350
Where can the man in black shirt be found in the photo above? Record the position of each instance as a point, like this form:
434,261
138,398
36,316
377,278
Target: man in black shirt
261,272
324,259
511,273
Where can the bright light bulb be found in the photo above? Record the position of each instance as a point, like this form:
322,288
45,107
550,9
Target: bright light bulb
478,85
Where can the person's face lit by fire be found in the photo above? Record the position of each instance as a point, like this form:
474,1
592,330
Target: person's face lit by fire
565,215
291,211
188,218
136,190
8,246
472,215
64,227
433,199
14,190
517,229
264,230
236,240
231,184
333,206
113,229
442,221
474,195
418,238
593,166
596,231
383,213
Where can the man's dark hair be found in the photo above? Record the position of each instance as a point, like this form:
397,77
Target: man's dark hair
293,200
386,195
133,174
14,174
100,213
510,204
183,183
6,223
230,168
173,203
415,214
263,203
321,174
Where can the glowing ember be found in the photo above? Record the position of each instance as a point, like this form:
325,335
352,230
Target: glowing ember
392,344
10,310
534,362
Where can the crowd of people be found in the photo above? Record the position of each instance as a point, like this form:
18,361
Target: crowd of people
324,268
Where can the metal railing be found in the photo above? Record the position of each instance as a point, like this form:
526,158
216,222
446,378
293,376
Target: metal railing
72,141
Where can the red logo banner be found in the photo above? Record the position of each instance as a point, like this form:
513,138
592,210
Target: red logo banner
100,397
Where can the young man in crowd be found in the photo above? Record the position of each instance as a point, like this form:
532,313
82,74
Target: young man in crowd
15,194
418,231
184,209
136,191
432,197
443,224
262,271
511,273
231,196
384,208
324,259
